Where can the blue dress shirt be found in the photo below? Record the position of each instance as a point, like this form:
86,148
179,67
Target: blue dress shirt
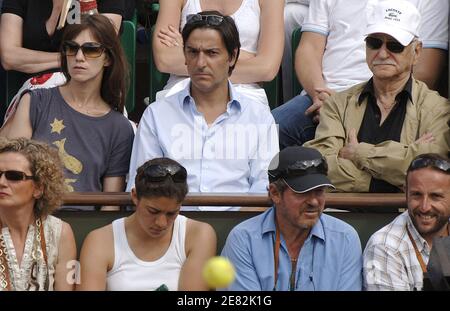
230,155
330,258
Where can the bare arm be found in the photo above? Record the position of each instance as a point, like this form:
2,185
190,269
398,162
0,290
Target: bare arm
113,184
116,20
20,124
266,63
308,67
201,243
67,256
168,58
14,56
308,61
430,65
96,259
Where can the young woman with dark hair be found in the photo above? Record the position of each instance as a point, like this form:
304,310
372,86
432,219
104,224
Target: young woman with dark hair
83,118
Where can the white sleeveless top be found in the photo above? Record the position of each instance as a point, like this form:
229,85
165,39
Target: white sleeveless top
132,273
20,273
247,20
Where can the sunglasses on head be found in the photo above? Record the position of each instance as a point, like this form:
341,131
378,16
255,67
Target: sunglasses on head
158,173
376,43
89,49
423,162
15,175
214,20
301,168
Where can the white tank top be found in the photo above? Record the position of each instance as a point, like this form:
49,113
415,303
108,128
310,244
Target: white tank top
247,19
131,273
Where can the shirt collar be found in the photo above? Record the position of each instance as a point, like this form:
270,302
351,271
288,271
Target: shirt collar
369,90
268,225
182,92
418,239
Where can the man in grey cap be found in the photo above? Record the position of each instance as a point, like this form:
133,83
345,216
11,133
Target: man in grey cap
371,132
293,246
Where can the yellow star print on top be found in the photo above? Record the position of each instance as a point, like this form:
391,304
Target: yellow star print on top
57,126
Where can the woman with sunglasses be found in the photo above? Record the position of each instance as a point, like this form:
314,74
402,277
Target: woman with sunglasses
261,32
37,250
30,36
155,248
83,118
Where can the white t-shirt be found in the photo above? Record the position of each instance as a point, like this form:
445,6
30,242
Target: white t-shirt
344,22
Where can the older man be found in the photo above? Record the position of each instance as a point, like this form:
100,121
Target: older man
371,132
331,58
293,246
396,256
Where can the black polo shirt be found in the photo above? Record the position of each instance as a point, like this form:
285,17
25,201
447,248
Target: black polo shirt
372,132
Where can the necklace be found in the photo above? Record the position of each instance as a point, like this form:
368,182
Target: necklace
38,252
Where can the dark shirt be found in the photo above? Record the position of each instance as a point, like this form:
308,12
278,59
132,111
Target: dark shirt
372,132
36,12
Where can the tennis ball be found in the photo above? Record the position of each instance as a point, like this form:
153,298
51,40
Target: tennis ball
218,272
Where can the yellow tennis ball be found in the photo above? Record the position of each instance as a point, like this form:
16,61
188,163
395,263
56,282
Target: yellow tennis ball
218,272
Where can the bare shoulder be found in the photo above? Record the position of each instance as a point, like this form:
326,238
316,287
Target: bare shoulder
66,231
199,233
101,236
195,229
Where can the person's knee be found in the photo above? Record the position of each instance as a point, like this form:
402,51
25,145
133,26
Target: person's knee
292,112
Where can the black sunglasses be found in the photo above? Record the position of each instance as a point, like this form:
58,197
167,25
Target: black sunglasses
423,162
213,20
393,46
158,173
15,175
301,168
89,49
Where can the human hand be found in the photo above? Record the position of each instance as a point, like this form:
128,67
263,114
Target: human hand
324,91
349,150
314,109
321,94
425,138
170,36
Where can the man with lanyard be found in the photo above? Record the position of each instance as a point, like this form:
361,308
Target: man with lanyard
396,256
293,246
371,132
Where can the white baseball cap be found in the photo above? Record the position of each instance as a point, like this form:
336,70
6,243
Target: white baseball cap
400,19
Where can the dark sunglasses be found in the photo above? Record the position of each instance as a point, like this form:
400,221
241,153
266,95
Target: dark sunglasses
213,20
375,43
158,173
301,168
89,49
15,175
423,162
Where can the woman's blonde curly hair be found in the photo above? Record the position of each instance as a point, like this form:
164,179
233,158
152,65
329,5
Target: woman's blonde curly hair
46,166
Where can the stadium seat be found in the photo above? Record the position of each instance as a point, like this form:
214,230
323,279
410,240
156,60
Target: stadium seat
128,39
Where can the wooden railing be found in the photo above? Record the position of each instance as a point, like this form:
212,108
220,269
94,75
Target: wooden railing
333,200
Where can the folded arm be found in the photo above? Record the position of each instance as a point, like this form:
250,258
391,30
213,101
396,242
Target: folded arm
265,64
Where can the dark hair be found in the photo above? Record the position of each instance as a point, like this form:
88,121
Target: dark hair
280,184
116,75
430,160
227,29
165,188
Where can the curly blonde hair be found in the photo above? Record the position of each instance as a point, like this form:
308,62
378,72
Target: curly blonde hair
46,166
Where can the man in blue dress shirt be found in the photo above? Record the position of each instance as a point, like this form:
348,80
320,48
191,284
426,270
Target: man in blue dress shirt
223,138
293,246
